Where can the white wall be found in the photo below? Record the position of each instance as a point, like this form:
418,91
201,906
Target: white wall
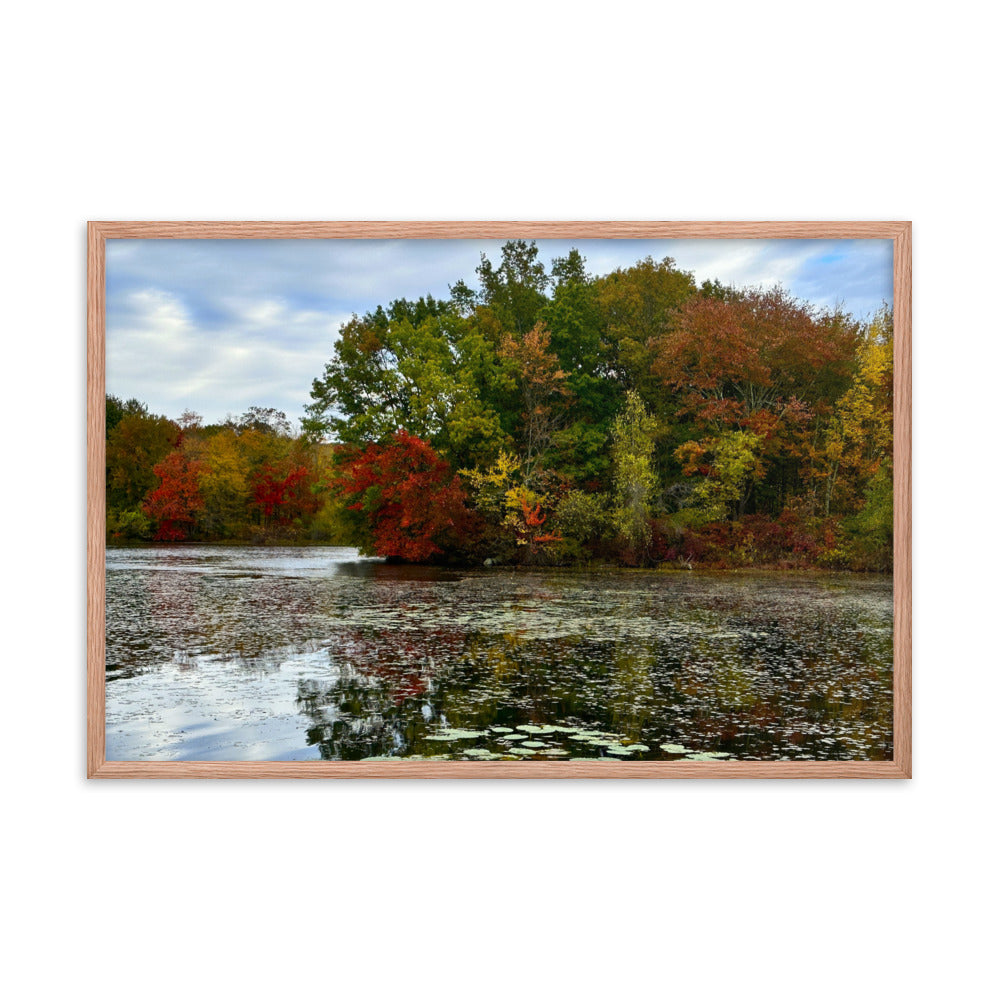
526,111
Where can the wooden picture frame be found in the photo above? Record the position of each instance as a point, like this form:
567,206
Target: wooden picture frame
99,232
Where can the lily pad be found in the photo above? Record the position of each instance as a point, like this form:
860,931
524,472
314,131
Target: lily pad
501,729
673,748
536,730
480,752
537,744
619,751
523,751
638,747
447,735
555,752
514,736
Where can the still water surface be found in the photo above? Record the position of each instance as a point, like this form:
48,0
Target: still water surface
315,653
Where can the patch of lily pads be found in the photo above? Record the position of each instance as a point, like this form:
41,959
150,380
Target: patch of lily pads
450,735
543,740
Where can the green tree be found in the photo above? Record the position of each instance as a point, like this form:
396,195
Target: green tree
515,290
634,478
573,317
421,368
115,411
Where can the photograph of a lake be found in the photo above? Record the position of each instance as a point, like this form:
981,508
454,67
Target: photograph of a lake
500,500
298,653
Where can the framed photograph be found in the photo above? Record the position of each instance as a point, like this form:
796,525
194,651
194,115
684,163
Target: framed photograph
499,499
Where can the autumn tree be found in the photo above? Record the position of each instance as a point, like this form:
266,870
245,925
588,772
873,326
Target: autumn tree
411,502
637,305
859,436
223,481
542,389
281,494
175,503
760,362
135,444
728,466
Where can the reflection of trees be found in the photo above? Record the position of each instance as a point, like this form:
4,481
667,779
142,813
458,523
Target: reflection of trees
393,691
630,692
357,717
386,692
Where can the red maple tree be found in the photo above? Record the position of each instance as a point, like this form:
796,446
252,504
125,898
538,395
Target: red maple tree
174,504
414,504
284,495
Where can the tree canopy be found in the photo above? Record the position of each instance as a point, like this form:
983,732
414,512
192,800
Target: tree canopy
550,415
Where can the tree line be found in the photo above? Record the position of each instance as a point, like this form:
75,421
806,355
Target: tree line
550,416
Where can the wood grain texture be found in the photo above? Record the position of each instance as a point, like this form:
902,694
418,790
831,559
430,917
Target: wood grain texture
902,501
95,500
500,769
496,230
899,232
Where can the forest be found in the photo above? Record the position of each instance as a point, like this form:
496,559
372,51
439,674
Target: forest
549,417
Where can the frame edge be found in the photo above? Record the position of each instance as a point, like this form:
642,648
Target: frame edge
900,232
95,499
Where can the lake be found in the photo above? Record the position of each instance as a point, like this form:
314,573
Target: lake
218,653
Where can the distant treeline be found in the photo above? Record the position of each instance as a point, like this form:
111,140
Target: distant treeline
550,417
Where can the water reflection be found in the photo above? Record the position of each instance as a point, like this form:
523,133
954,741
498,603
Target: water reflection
288,653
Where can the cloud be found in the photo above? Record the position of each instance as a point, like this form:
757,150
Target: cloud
219,325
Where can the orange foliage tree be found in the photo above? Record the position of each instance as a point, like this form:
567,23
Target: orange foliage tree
542,385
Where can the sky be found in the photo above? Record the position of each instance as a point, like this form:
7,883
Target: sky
217,326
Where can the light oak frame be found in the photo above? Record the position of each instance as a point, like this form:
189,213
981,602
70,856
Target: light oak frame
899,232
